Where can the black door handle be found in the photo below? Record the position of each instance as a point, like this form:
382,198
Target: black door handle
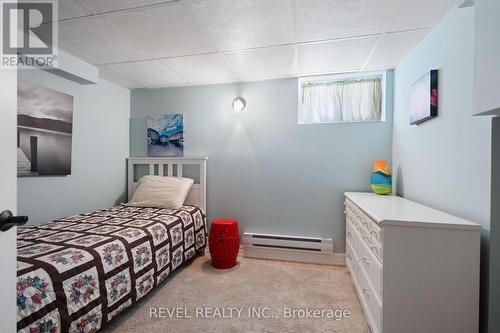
7,220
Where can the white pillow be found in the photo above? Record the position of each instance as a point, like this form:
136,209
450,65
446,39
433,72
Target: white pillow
161,192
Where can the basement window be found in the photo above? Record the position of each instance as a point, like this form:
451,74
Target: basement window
342,98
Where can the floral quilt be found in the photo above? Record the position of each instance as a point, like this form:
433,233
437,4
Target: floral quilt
78,272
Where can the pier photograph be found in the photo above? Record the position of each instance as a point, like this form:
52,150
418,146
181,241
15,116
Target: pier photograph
44,131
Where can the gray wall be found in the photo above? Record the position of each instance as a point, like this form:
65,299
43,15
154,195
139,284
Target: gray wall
487,51
100,148
273,175
8,102
446,162
494,276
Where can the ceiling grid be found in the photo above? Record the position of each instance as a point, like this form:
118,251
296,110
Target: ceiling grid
158,43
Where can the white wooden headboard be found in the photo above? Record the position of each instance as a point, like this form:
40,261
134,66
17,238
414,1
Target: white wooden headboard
164,166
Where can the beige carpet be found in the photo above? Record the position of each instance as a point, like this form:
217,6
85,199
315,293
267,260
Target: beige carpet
276,287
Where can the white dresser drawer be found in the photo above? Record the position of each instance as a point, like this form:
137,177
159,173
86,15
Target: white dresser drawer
348,204
365,222
376,232
351,260
372,267
352,236
365,236
351,215
370,232
377,249
373,306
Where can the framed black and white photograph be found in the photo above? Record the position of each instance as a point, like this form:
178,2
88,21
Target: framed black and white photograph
44,131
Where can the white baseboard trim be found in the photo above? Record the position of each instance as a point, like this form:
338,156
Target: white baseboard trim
336,259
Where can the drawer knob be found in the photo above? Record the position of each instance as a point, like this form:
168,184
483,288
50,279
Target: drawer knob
366,291
365,260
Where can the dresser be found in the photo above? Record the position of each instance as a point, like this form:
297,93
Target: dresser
414,268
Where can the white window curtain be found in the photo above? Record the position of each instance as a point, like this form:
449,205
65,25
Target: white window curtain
341,101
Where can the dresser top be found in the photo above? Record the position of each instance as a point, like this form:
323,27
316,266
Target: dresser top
394,210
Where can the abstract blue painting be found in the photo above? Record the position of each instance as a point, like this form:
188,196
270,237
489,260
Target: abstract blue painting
166,135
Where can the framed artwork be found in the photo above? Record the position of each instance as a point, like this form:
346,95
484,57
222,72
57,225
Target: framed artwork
166,135
44,131
424,98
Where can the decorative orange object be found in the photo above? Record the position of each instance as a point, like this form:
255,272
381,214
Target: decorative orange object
224,243
381,165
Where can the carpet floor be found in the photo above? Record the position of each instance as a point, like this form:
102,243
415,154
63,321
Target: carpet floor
255,296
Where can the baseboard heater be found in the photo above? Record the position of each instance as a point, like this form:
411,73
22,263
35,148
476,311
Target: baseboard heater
290,248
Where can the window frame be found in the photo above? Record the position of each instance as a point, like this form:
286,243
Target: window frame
344,77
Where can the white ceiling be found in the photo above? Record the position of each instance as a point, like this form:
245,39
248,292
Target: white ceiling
160,43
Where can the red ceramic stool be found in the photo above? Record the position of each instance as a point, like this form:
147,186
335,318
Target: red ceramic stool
224,242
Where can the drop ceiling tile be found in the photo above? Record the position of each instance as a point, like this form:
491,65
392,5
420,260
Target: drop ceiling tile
45,31
190,34
148,73
264,63
67,9
102,6
331,19
164,31
71,8
393,48
94,39
119,79
419,14
239,24
336,56
206,68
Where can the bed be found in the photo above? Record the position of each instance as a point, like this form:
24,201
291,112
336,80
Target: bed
76,273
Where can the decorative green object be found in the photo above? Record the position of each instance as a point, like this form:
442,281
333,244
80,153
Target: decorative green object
381,179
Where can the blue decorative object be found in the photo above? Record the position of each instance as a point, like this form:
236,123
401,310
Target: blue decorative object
381,179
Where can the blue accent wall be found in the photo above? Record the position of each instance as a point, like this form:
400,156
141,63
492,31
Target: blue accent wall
272,174
445,162
100,147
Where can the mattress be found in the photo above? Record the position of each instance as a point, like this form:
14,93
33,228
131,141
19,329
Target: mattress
78,272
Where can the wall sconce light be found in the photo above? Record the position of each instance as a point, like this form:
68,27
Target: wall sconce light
239,104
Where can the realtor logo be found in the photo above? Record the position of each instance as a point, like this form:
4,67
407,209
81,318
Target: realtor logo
28,32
